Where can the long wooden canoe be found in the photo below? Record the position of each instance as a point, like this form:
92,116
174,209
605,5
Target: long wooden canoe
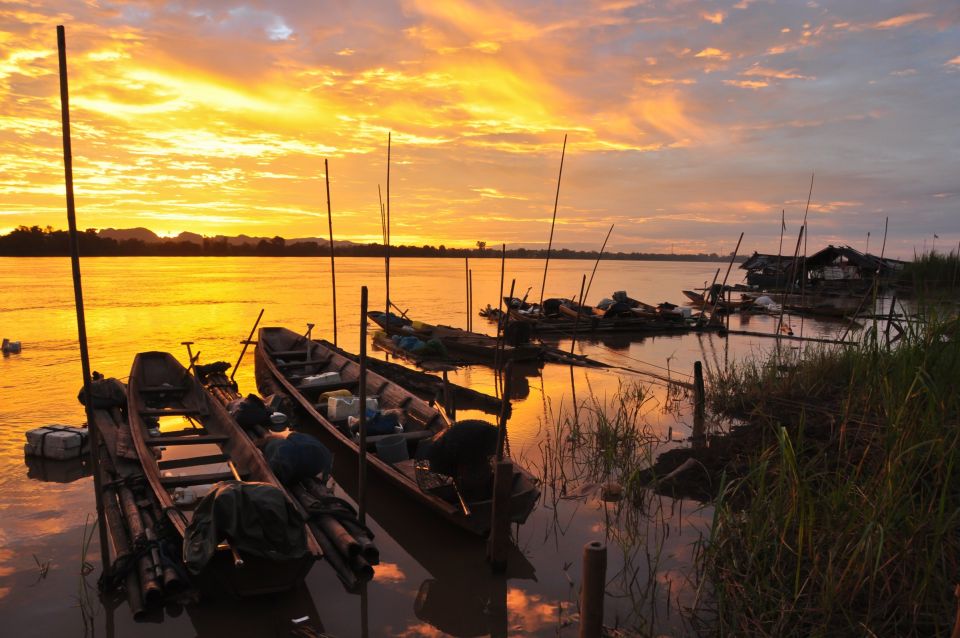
470,346
285,358
197,443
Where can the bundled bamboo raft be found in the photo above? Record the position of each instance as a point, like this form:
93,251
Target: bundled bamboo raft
347,545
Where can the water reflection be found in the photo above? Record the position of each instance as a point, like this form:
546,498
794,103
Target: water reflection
213,302
52,471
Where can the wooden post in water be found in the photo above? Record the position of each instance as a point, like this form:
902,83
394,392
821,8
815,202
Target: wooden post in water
499,541
362,479
333,270
699,394
78,296
247,343
470,302
466,287
593,589
553,223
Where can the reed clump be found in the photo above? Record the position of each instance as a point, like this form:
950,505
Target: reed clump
933,272
845,519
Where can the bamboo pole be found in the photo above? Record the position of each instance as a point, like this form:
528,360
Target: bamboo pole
500,323
78,295
245,344
793,274
806,234
783,228
333,269
362,479
466,285
470,298
733,258
386,246
504,409
553,223
499,542
597,263
576,320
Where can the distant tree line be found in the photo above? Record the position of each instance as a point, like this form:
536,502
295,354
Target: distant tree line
34,241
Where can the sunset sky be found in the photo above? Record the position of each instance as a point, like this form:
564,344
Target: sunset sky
688,122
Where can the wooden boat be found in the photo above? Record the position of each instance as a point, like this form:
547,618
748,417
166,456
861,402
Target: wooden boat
285,358
820,310
461,344
699,300
207,447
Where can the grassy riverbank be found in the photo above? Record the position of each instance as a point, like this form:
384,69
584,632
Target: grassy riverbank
844,519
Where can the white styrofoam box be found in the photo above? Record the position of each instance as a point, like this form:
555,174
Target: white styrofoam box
339,408
186,496
59,442
320,380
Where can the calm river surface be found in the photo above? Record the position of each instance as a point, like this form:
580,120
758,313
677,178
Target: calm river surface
432,581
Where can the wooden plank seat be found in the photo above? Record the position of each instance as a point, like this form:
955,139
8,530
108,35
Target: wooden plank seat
416,435
171,412
288,353
340,385
299,364
188,440
192,461
184,432
163,389
196,479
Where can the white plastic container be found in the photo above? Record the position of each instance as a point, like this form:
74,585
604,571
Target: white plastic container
340,408
59,442
320,380
186,496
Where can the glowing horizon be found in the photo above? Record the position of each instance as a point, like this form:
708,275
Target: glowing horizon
687,122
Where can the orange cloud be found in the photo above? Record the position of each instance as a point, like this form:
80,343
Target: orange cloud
901,20
713,53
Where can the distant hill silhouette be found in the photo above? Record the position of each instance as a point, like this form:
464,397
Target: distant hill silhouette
34,241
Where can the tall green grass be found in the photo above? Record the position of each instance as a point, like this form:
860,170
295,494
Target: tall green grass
846,518
933,272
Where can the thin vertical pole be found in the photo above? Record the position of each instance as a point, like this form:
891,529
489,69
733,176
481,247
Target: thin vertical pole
387,246
793,276
576,321
783,228
553,223
502,346
333,269
466,287
504,409
733,258
78,296
597,263
242,352
362,479
500,323
470,299
806,234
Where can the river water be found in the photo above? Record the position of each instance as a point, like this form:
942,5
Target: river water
432,581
